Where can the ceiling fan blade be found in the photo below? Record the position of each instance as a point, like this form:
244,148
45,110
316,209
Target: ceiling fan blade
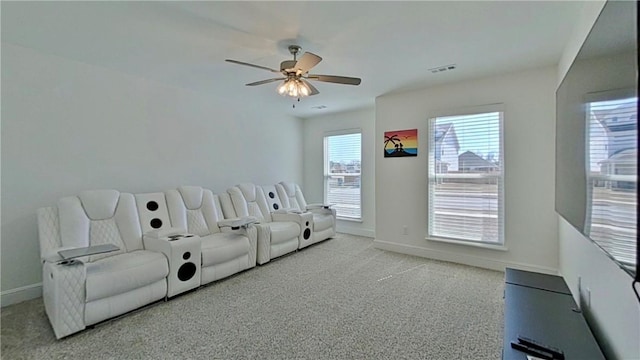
264,81
313,89
306,62
252,65
335,79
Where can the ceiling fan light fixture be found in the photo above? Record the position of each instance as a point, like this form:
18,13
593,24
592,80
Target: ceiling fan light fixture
293,88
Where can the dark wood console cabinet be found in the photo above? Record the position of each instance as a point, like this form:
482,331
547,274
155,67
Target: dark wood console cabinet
540,307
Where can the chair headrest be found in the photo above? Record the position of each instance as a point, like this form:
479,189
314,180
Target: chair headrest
192,196
249,191
99,204
289,188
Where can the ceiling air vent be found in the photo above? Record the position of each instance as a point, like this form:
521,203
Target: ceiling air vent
442,68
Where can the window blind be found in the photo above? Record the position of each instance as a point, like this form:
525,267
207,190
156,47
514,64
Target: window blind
342,174
612,175
466,178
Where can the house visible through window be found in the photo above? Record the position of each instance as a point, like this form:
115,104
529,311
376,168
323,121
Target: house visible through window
466,178
342,174
612,158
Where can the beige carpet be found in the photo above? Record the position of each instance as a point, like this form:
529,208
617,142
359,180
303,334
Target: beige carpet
340,299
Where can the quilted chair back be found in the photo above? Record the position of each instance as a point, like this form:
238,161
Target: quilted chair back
249,200
291,195
195,209
100,217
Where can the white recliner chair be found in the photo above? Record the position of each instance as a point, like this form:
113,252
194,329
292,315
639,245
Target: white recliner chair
324,217
284,212
228,246
90,289
277,233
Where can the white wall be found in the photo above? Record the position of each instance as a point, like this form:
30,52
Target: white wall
313,187
614,312
68,126
529,143
590,11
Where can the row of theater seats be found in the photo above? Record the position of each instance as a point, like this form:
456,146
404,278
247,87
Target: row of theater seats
167,243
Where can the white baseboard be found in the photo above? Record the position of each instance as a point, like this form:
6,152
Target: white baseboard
351,230
23,293
466,259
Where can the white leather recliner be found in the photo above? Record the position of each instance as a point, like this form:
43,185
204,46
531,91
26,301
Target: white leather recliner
225,250
279,209
277,233
324,217
94,288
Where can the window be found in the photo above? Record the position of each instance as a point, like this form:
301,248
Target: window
612,158
342,156
466,178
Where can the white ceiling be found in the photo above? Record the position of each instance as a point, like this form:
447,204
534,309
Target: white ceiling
390,45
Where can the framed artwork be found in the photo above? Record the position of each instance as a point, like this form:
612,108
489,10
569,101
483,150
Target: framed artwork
401,143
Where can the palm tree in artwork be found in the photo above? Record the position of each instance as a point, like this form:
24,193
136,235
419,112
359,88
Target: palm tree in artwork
391,139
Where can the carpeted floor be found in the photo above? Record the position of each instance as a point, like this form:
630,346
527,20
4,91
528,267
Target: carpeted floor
340,299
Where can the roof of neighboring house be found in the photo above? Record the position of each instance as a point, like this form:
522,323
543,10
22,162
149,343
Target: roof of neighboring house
622,156
446,130
620,118
471,159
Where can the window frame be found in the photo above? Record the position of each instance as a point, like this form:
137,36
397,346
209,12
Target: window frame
326,170
475,110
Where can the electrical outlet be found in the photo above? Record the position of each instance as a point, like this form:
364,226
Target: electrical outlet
405,231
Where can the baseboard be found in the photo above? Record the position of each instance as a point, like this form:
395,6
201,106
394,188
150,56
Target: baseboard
465,259
355,231
23,293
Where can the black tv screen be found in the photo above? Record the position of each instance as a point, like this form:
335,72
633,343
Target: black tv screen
597,137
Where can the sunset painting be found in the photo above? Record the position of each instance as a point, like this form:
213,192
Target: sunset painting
401,143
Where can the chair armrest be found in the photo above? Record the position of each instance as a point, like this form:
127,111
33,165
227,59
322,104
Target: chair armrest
319,206
163,233
63,293
68,255
300,219
73,253
237,223
53,257
287,217
287,211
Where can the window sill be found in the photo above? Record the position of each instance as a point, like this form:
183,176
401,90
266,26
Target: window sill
470,243
349,219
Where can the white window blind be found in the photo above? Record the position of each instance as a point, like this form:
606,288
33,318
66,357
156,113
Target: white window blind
342,174
466,178
612,158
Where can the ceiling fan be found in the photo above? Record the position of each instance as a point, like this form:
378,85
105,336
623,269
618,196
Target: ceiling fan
296,74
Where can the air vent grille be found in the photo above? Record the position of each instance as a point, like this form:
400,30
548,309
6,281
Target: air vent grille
443,68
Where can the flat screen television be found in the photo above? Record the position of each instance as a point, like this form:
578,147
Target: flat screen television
597,137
